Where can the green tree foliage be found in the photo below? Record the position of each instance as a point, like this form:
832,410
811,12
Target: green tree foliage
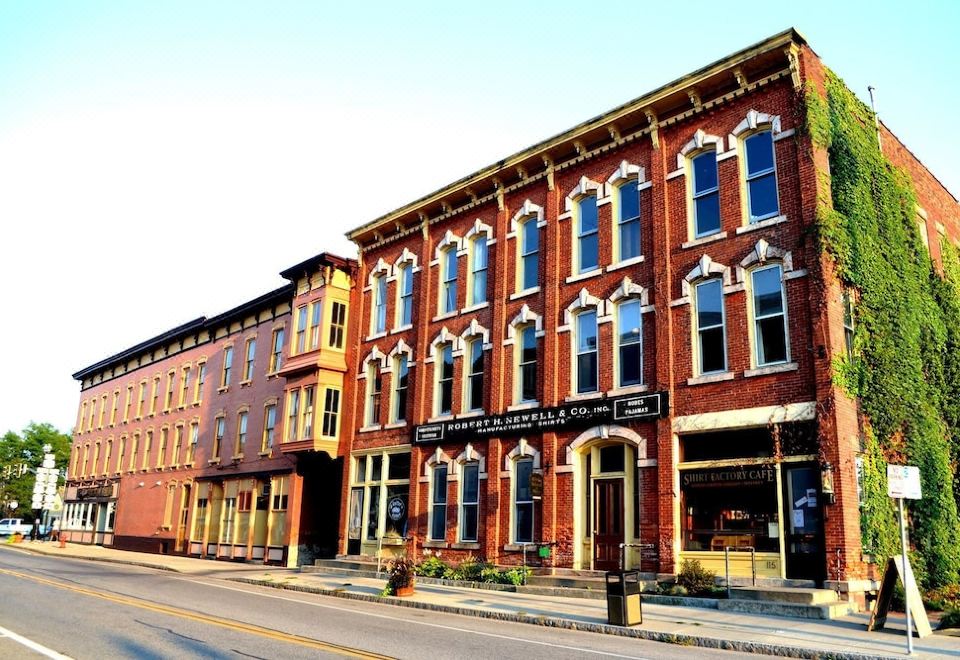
19,454
907,366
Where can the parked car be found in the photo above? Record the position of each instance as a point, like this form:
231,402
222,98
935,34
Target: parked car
10,526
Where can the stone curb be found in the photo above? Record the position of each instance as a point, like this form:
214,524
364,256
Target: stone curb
569,624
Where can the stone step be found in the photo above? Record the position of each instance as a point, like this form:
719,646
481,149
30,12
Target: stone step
826,611
345,572
350,564
784,595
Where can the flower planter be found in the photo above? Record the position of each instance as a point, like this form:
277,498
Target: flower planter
406,590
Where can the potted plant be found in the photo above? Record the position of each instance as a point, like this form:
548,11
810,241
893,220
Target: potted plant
401,578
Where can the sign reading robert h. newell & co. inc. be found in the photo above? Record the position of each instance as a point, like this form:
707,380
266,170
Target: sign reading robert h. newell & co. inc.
580,414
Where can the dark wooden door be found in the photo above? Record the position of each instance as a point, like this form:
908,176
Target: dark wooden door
607,524
806,555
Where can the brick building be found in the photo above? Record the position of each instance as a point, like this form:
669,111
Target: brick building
621,335
186,443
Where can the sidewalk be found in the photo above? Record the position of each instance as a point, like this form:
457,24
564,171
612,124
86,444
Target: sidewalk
842,638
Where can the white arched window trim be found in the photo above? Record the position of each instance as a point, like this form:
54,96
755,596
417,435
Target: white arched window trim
443,337
524,317
406,257
402,348
527,209
522,450
374,355
382,269
449,241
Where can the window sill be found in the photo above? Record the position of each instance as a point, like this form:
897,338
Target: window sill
245,383
395,425
474,308
704,240
402,328
769,222
221,390
626,263
517,547
263,454
440,418
772,369
471,413
441,545
586,396
237,459
445,315
214,461
394,541
524,293
526,405
584,276
466,545
370,429
711,378
377,335
629,389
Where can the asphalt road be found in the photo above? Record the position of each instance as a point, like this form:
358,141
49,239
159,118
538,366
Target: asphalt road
84,609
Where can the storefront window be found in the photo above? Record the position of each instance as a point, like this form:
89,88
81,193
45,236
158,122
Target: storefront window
730,507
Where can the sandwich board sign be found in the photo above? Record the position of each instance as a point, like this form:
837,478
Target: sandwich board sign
894,570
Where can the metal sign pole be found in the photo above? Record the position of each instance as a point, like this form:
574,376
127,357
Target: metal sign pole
906,593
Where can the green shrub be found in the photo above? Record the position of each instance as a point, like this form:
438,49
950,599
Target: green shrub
695,578
950,619
677,590
433,567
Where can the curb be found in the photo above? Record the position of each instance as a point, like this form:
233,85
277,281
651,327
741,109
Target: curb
569,624
107,560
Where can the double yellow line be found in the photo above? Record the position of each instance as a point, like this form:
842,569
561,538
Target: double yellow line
206,618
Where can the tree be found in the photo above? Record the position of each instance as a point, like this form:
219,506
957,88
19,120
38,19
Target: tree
20,455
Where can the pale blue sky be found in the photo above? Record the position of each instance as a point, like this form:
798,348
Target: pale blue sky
162,161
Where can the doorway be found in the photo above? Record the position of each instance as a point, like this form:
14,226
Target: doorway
608,524
184,518
806,555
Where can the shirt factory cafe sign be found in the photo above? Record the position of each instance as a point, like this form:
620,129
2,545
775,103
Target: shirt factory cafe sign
581,414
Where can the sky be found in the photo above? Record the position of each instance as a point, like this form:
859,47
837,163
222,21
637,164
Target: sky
164,161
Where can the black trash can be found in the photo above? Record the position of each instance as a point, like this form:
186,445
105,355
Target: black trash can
624,606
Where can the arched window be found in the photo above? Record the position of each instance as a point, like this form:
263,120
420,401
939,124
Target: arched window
710,323
760,173
587,363
769,315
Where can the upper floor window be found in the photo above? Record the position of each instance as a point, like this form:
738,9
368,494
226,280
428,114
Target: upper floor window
315,324
331,412
155,395
478,270
184,385
848,321
301,328
588,235
475,375
338,324
761,176
628,220
405,287
306,423
711,331
241,433
527,364
113,410
379,305
706,194
227,366
770,329
374,392
444,367
276,355
168,397
141,399
529,253
269,427
293,415
198,387
194,441
401,377
629,343
448,285
587,377
251,353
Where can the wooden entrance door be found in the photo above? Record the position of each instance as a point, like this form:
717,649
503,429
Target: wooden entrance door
607,523
184,519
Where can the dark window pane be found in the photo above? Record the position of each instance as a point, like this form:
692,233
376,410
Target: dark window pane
399,466
588,214
629,313
528,388
766,292
773,347
528,342
531,236
397,527
525,523
763,196
587,372
712,356
438,522
469,522
630,360
530,271
704,172
587,331
476,391
479,287
373,513
629,240
446,368
376,468
440,484
611,458
629,200
708,214
523,471
589,252
471,482
759,153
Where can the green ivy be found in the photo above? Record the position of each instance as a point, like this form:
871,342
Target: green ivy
906,370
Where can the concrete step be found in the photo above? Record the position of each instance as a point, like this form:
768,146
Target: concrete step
353,564
784,595
825,611
345,572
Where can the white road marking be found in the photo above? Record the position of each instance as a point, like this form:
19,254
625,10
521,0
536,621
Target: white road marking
32,645
406,620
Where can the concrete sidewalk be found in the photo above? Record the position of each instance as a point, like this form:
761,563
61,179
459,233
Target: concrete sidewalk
842,638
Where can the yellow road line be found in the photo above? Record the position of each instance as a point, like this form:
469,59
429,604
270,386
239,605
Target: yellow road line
206,618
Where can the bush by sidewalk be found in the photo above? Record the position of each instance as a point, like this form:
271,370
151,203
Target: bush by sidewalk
471,570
